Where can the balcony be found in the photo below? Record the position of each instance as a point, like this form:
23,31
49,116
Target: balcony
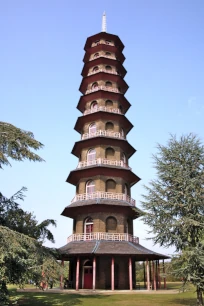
103,133
103,70
103,161
103,109
102,55
106,88
103,236
104,195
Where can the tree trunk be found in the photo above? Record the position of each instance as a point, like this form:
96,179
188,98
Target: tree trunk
199,297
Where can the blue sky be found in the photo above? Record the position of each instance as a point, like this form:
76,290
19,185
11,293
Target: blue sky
41,52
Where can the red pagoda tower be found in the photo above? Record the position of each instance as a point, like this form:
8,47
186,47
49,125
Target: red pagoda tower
102,250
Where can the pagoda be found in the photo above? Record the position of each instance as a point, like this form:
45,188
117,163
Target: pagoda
102,249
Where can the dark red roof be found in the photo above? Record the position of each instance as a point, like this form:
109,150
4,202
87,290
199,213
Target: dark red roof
104,35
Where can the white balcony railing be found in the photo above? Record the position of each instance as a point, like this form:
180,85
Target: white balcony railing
103,133
103,70
102,108
103,236
102,55
104,195
107,88
103,161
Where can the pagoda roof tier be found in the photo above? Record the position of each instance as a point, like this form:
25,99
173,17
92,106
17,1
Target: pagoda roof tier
101,94
104,35
101,140
103,47
103,170
100,247
98,205
102,115
104,61
103,76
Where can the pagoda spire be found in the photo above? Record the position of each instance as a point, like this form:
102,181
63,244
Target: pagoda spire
104,26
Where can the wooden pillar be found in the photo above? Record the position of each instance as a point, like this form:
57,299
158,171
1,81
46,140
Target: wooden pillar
94,273
154,276
69,272
144,275
159,278
147,268
164,275
150,274
156,272
77,274
130,273
62,276
112,274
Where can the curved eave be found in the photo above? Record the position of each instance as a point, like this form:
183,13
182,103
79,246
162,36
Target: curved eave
109,248
103,61
98,141
101,94
103,76
96,206
101,115
87,172
104,35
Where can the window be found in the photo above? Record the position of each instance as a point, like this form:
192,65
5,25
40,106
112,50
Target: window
122,133
95,68
109,103
90,187
109,126
124,159
111,225
126,190
94,105
109,154
91,155
108,68
88,226
94,85
97,42
96,55
110,186
108,42
108,54
108,84
92,128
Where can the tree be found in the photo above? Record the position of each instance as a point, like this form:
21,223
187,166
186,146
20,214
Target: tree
16,144
174,205
22,255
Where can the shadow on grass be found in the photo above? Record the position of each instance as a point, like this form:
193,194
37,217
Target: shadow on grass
187,302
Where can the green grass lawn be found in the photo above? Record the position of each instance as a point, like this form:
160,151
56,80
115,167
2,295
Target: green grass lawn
58,299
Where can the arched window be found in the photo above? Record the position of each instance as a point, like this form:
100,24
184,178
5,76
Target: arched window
126,189
96,55
88,226
109,126
97,42
109,103
111,225
122,133
108,54
91,155
108,68
92,128
109,154
90,187
108,42
94,105
95,68
94,85
110,186
108,84
124,159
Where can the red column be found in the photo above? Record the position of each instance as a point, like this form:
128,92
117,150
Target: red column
164,276
154,276
112,274
94,273
61,276
159,278
144,275
77,274
130,272
69,272
147,267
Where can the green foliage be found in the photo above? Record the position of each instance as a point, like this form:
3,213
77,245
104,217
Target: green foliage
16,143
174,203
